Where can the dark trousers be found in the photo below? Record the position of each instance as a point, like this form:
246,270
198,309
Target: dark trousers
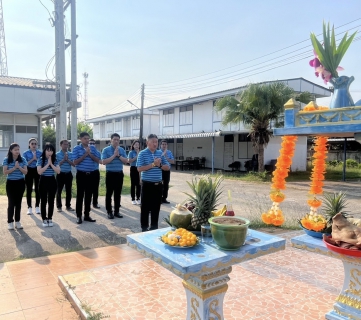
114,185
64,178
151,201
30,178
14,191
84,190
166,179
47,190
134,183
96,181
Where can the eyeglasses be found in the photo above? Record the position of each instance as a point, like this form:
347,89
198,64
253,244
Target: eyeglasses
92,143
33,143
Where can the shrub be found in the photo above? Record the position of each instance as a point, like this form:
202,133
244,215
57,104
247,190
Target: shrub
334,163
351,163
359,165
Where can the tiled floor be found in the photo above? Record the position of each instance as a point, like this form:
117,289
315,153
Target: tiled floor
119,283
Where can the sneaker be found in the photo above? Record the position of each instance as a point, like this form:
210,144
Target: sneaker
30,211
133,202
37,210
138,202
45,223
18,225
50,223
11,226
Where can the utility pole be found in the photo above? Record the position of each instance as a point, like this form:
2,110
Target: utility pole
85,110
73,95
141,118
60,69
3,58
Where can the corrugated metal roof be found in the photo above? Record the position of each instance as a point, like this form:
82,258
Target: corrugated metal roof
6,81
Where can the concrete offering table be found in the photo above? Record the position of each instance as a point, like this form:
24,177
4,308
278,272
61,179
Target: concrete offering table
204,268
348,303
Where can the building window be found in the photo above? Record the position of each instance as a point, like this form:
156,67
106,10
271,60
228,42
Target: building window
26,129
109,126
6,136
185,115
168,118
136,122
118,125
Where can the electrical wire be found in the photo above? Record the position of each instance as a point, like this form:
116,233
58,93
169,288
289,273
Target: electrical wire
46,9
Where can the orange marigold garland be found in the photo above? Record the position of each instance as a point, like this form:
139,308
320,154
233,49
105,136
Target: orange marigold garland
275,215
314,221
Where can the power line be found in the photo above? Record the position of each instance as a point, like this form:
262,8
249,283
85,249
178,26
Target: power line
163,84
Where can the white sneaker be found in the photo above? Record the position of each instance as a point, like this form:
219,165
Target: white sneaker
18,225
45,223
133,202
50,223
138,202
11,226
37,210
30,211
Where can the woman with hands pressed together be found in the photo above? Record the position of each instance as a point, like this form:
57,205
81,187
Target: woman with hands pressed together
15,167
134,174
47,165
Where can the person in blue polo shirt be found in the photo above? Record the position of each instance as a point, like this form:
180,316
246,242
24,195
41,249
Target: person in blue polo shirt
134,174
151,163
47,166
96,179
166,174
32,177
113,158
15,167
65,177
84,157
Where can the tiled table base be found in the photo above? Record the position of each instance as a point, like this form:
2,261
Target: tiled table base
292,284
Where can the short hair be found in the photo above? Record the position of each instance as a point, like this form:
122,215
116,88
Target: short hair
91,139
152,136
62,141
114,135
83,134
164,141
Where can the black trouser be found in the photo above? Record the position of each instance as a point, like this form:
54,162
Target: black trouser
151,201
95,183
113,184
134,183
166,179
47,190
84,189
31,177
15,191
64,178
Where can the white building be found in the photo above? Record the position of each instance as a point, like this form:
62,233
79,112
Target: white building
193,128
19,119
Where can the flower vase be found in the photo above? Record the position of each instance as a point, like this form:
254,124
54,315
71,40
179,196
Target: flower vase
341,95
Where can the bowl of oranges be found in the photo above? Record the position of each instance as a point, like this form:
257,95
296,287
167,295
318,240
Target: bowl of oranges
180,238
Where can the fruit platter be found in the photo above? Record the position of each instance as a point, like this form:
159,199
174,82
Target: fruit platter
180,238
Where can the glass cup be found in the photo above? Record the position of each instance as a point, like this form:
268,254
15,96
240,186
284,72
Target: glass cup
206,233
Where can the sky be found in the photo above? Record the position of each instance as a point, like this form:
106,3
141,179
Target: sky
178,49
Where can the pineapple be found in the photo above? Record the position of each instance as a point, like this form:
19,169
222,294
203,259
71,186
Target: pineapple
333,203
206,193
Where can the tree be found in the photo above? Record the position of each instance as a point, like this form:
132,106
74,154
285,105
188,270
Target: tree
81,127
49,135
257,106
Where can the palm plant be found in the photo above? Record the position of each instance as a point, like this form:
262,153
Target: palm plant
333,203
257,106
206,193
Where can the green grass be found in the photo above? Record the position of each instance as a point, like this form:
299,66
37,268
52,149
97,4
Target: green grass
125,190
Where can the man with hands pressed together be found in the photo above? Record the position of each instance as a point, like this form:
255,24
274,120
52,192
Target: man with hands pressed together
65,177
84,157
150,164
166,174
113,158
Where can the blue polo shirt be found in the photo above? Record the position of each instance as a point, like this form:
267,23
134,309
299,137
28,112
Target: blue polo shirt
116,164
28,155
17,174
169,156
132,154
145,158
98,155
87,165
49,170
65,167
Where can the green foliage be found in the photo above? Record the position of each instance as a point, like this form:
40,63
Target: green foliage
329,54
351,163
81,127
262,176
333,203
334,163
359,166
49,135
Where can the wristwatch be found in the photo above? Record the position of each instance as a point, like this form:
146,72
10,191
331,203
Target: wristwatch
153,164
160,165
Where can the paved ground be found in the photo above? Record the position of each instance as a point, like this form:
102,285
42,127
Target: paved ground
249,199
